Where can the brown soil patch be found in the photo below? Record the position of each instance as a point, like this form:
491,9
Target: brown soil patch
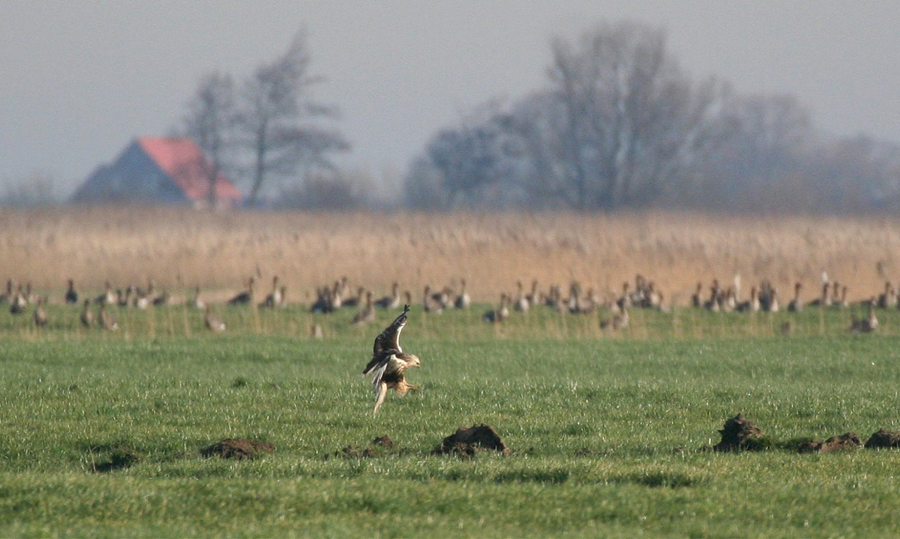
383,441
353,452
467,442
378,445
740,435
848,441
884,439
238,449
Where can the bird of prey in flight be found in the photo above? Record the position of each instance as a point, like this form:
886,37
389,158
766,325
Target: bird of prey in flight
389,362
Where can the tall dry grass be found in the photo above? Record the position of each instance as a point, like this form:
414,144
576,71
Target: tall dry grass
179,247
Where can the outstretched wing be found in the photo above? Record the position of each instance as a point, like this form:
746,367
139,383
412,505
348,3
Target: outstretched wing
389,339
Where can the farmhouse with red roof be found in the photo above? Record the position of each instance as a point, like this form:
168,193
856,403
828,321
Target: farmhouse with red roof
157,170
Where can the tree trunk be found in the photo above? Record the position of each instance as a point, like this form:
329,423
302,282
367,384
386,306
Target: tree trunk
259,172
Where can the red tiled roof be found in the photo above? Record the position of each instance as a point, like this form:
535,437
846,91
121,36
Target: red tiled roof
183,161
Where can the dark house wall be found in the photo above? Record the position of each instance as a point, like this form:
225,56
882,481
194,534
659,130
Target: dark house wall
133,177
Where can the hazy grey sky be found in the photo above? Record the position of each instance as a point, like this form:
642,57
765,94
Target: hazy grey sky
79,79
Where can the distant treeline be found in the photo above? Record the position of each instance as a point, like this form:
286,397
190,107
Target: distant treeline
620,125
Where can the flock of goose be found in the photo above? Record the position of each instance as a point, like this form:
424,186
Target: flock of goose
643,293
764,298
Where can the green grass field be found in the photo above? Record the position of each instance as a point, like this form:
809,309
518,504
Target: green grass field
606,431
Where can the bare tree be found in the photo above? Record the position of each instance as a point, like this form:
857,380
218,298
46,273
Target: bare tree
633,119
465,158
210,122
276,115
423,187
760,166
620,124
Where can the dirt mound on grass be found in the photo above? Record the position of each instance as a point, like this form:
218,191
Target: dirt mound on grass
740,435
382,443
238,449
353,452
848,441
467,442
884,439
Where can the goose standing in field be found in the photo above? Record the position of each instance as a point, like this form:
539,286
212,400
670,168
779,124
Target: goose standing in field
87,317
573,303
888,297
245,297
836,294
277,293
71,294
212,322
7,296
501,313
868,324
29,293
844,302
765,295
107,320
554,298
618,321
729,302
367,314
825,299
18,303
162,299
342,287
772,305
796,305
696,297
521,305
336,296
323,301
444,297
430,303
715,300
275,297
40,313
126,298
463,300
389,362
589,302
356,300
641,287
392,301
653,298
534,297
621,301
197,302
751,305
108,297
140,299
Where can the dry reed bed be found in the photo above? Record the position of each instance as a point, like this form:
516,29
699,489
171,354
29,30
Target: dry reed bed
180,247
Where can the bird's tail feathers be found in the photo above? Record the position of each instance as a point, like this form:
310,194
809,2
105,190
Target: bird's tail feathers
377,375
